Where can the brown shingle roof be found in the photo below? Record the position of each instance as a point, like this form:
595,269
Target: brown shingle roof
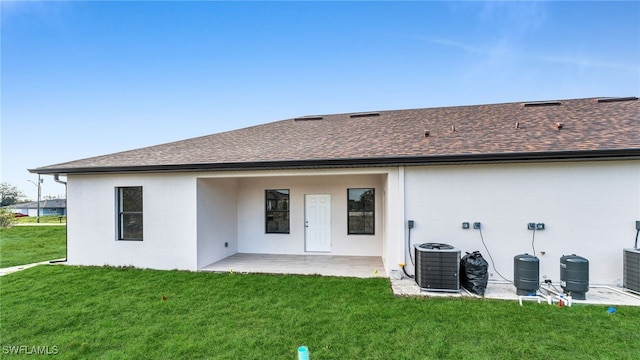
462,133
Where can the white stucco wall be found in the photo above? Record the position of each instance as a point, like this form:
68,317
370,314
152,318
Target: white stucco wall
188,217
251,214
394,219
217,219
588,208
169,221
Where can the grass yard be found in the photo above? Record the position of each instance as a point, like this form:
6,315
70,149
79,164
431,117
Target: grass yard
49,219
116,313
21,245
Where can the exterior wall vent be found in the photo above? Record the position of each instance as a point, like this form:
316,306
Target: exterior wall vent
616,99
308,117
558,125
426,133
366,114
542,103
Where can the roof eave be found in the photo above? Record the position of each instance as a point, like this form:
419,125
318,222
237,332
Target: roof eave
607,154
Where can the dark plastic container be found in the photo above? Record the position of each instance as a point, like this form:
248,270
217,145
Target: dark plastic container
574,276
526,274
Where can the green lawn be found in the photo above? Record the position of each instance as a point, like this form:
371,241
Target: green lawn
21,245
115,313
49,219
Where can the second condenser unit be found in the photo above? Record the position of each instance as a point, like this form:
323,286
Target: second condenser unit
631,269
437,266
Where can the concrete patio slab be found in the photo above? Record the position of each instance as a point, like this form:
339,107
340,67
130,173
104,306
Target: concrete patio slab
327,265
597,294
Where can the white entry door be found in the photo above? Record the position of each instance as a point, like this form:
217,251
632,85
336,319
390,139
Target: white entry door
317,222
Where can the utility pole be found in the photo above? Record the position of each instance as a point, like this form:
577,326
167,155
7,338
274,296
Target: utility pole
39,192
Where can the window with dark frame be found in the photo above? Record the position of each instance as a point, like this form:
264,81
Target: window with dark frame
277,211
129,205
361,211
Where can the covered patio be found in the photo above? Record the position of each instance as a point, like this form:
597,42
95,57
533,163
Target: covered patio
232,221
326,265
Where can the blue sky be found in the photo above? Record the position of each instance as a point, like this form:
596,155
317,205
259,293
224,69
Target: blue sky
81,79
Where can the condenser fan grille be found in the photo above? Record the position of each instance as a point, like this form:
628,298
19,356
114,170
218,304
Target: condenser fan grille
437,266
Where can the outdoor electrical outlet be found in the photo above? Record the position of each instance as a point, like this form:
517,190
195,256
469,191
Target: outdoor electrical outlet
531,226
637,224
410,224
540,226
476,225
465,225
226,244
